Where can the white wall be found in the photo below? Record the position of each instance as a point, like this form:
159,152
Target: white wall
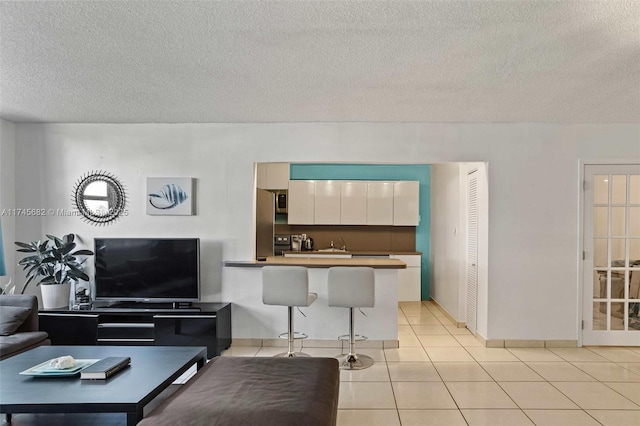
533,178
446,237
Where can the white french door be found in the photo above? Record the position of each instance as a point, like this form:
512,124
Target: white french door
611,266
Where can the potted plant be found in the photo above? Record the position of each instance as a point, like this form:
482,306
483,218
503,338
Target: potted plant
55,261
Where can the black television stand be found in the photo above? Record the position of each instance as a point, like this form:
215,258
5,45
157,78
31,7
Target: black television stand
127,323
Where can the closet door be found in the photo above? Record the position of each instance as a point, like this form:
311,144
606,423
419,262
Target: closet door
472,251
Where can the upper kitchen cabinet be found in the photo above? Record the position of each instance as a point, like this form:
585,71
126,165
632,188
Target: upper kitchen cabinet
301,200
353,203
273,175
380,203
406,205
327,202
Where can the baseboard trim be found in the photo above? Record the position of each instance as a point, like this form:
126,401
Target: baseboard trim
454,321
317,343
523,343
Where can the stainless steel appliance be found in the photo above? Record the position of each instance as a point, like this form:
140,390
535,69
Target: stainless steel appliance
308,243
281,243
296,242
281,201
265,216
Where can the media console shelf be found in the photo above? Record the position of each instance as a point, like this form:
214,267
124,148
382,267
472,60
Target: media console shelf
203,324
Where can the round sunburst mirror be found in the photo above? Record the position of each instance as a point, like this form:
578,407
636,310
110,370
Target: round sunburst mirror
99,197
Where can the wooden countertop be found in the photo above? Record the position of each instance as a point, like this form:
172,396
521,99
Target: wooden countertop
356,252
315,262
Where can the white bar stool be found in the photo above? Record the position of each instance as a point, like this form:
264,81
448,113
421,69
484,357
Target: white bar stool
287,286
352,287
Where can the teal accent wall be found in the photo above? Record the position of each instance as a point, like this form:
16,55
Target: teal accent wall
419,172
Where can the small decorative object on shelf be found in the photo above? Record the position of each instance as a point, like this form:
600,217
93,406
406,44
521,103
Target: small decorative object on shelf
82,298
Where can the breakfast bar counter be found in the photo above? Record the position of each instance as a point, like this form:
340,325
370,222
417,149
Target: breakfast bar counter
321,262
257,323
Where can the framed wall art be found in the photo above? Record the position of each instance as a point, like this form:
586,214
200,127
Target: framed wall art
170,196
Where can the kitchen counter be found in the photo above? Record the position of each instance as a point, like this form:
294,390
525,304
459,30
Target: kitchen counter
316,262
357,252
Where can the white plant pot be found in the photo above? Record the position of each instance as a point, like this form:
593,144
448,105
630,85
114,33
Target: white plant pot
55,295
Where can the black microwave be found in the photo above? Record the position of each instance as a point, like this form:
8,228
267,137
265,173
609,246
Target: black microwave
281,201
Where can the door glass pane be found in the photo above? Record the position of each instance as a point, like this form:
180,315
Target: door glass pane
600,221
600,285
634,284
634,252
600,252
618,219
634,221
599,315
617,284
634,189
619,189
601,189
618,252
617,316
634,316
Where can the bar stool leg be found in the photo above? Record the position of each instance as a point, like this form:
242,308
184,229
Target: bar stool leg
291,339
353,361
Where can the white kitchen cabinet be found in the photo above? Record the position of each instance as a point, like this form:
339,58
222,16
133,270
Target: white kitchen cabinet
273,176
406,205
380,203
327,202
409,280
301,198
353,203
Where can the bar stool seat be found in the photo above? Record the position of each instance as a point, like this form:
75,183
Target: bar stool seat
352,287
287,286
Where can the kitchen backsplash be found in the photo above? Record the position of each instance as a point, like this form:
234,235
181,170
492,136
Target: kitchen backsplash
356,238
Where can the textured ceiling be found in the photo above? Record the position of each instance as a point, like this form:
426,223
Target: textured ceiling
426,61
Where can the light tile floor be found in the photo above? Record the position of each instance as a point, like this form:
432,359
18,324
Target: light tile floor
441,375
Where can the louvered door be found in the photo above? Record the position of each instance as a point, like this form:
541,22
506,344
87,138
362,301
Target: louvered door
472,251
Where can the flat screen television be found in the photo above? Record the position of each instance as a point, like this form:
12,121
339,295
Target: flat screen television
155,270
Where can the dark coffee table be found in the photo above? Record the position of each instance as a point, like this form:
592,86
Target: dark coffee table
153,368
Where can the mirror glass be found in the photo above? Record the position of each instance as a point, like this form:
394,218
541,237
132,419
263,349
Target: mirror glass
99,197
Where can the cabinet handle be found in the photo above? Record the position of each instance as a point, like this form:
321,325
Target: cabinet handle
68,315
125,325
184,316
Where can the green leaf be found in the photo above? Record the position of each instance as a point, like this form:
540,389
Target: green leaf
83,253
67,248
27,250
47,280
26,246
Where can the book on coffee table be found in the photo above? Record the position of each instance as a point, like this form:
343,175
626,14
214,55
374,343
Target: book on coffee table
105,368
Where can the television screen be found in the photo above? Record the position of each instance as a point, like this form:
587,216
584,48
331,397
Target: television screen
147,269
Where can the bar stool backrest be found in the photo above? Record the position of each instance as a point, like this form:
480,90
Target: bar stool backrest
351,287
285,285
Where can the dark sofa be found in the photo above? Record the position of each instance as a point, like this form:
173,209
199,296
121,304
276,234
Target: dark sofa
232,391
19,325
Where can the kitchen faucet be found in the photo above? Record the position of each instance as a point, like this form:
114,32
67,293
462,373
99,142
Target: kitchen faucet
344,245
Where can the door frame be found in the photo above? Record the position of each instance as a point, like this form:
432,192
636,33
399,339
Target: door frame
582,164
